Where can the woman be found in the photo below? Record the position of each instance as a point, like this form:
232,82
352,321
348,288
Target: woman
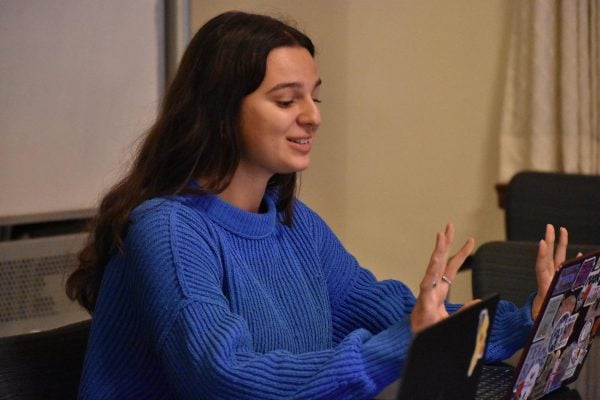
207,278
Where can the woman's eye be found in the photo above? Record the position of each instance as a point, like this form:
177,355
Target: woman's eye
289,103
285,103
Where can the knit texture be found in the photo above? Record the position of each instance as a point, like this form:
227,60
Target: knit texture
212,302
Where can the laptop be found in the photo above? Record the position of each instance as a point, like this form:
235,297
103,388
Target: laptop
444,361
561,337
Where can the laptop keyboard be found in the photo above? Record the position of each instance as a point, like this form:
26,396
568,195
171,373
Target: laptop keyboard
495,382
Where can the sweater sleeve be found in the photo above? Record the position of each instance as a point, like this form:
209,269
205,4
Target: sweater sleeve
510,329
208,354
512,326
359,300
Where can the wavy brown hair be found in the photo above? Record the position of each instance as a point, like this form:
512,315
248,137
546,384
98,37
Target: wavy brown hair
196,135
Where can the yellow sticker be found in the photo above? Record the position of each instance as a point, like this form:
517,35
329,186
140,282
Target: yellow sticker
482,331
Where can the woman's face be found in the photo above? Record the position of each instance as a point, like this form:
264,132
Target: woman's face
280,118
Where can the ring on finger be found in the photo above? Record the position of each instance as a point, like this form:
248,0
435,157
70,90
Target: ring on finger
446,279
433,284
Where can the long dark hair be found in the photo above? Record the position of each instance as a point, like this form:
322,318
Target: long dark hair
195,135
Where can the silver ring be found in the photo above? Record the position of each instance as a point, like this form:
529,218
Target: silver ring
446,279
433,284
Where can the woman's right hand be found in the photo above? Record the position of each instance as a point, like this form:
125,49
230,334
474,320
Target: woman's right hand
434,287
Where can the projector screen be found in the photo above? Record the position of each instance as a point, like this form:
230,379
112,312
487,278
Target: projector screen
81,82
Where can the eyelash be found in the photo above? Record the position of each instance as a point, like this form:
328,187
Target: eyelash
286,104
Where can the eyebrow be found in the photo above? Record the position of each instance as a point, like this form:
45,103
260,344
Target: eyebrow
292,85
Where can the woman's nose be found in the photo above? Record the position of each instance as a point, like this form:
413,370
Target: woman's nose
310,114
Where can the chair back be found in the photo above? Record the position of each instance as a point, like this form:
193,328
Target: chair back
508,268
534,199
43,365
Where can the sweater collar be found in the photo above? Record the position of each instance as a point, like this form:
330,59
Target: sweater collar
236,220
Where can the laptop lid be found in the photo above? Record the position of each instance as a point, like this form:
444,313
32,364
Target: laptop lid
444,361
564,330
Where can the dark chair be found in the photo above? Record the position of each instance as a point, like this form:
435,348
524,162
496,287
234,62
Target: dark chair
43,365
508,268
534,199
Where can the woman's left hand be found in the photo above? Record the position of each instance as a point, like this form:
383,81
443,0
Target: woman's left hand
548,260
433,290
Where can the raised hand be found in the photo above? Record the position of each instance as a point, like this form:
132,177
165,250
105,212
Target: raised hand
435,285
548,260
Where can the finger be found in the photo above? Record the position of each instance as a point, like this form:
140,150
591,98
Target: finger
469,304
561,249
542,255
437,262
449,234
455,263
549,238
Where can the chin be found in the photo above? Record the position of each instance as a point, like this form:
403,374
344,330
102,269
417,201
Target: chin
295,167
301,168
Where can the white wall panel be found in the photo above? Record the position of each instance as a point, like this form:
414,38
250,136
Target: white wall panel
80,81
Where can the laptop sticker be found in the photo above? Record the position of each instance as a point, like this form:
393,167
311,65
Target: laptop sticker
591,290
596,327
531,370
547,320
482,332
566,279
584,272
579,349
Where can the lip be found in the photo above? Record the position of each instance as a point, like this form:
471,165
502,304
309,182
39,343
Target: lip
302,144
300,140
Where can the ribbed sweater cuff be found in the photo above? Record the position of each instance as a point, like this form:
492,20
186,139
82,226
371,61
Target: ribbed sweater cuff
385,353
527,308
512,332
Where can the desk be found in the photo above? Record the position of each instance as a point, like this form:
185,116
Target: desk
587,386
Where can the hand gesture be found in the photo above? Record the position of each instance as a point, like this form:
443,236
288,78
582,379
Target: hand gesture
435,285
548,260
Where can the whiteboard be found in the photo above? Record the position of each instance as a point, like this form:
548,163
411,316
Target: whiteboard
80,81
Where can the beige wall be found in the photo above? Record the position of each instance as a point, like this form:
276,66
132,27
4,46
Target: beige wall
411,99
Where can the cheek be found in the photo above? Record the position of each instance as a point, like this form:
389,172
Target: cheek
260,128
256,142
249,126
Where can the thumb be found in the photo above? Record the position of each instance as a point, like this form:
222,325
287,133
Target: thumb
469,303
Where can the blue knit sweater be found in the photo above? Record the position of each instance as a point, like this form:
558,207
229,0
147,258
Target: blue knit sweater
212,302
